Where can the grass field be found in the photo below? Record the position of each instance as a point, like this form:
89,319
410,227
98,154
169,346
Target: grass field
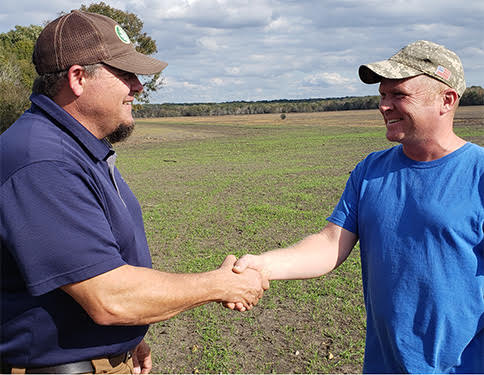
211,186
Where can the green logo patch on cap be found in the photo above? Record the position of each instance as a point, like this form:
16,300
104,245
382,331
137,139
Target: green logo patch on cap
122,34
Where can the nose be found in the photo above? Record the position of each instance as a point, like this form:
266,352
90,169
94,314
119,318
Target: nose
385,104
136,85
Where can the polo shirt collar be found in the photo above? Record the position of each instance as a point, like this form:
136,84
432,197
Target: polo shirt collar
99,148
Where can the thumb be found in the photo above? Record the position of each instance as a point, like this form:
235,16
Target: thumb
244,262
228,261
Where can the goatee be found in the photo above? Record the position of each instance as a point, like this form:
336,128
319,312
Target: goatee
121,133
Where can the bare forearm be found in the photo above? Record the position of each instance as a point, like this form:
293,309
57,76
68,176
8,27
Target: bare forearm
314,256
134,296
160,296
304,260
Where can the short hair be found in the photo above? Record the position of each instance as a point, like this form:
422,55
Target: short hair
437,87
49,84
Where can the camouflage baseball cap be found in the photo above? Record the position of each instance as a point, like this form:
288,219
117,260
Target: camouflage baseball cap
420,57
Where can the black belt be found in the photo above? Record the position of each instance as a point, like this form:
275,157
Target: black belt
80,367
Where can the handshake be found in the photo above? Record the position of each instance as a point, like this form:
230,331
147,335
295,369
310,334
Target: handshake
244,282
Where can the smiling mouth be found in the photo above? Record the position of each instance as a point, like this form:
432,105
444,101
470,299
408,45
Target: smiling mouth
389,122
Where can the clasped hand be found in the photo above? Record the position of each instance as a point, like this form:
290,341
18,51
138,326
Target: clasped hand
253,281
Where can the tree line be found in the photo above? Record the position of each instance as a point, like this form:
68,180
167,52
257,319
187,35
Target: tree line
472,96
257,107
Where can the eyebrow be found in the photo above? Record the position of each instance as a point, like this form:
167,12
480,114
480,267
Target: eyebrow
393,90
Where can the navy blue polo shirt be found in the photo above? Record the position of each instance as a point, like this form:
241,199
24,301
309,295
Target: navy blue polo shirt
62,220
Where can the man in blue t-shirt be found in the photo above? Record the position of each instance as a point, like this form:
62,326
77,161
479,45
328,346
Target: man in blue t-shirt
77,287
418,211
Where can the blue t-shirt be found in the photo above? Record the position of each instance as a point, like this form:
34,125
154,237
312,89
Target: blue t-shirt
421,232
62,220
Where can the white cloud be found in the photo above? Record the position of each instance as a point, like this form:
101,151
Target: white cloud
233,71
214,13
326,79
209,43
217,81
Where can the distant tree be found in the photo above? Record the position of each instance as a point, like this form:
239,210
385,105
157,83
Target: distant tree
13,94
473,95
17,72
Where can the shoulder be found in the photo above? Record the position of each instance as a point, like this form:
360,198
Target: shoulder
383,155
471,157
475,149
32,139
379,160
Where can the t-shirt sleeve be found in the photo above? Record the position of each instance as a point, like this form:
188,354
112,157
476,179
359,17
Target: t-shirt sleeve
345,214
61,229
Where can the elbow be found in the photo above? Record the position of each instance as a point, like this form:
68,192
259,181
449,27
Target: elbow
103,319
121,315
111,315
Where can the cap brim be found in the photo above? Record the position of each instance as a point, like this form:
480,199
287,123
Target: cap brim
373,73
137,63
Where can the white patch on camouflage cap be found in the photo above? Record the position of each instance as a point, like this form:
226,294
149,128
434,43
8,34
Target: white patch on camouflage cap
122,34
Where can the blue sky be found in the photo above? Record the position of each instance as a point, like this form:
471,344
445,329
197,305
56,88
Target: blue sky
281,49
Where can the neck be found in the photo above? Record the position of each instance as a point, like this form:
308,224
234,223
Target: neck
70,104
428,150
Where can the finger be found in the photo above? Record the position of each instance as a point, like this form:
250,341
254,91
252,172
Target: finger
256,301
265,283
229,305
240,306
136,365
251,305
148,365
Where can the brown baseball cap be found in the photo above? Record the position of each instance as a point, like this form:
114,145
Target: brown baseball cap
420,57
83,38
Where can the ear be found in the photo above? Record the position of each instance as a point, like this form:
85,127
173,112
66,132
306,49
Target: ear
450,99
76,77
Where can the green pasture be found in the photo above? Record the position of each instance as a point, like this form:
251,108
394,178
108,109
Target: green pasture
209,187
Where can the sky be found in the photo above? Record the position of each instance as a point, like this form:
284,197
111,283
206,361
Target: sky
231,50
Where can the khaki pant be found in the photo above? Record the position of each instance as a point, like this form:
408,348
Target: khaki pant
101,366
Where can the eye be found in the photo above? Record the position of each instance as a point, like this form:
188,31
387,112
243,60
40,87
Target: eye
123,74
129,76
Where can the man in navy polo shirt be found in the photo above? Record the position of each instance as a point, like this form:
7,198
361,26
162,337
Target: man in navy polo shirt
78,291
